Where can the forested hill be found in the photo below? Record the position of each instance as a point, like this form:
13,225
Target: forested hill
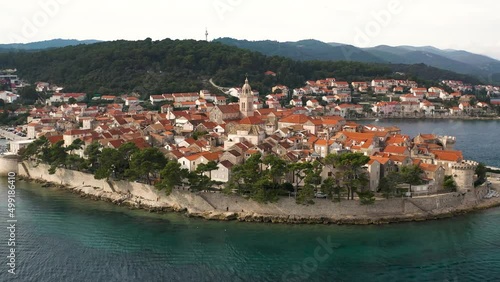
186,65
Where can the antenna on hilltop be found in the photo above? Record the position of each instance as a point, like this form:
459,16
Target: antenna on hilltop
206,34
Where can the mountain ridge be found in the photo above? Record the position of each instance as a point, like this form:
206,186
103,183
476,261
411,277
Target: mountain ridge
485,68
45,44
166,66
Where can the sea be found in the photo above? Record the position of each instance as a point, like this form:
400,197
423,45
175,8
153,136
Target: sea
60,236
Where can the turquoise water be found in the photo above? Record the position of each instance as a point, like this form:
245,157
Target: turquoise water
62,237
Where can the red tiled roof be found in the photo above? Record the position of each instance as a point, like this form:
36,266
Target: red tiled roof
252,120
400,150
296,118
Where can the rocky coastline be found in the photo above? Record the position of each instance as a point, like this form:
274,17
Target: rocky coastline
135,202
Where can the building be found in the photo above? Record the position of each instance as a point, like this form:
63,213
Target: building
246,100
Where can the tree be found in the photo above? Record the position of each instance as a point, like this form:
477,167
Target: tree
349,171
110,160
77,144
246,174
411,175
28,94
306,194
366,197
328,187
56,156
198,180
449,183
146,163
171,175
265,191
388,184
125,151
93,153
299,170
249,179
198,134
76,162
481,171
276,167
35,149
208,167
311,181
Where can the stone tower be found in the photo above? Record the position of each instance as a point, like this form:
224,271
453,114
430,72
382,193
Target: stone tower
246,100
463,174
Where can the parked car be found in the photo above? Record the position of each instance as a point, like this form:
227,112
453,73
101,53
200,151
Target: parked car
320,195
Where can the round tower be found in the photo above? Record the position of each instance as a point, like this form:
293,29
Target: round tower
8,164
463,173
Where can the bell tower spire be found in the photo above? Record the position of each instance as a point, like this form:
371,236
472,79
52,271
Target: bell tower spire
246,100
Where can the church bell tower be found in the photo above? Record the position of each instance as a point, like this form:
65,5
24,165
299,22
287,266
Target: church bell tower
246,100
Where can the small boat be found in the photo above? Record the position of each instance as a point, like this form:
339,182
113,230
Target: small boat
377,120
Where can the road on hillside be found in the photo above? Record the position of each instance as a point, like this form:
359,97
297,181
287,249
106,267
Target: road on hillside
224,90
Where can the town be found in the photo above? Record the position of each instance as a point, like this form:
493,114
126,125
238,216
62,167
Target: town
305,125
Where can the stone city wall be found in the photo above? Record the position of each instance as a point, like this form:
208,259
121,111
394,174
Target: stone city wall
225,207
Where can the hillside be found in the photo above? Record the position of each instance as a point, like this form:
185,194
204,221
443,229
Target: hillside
152,67
304,50
482,67
455,60
54,43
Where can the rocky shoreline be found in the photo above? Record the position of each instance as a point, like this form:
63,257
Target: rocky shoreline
134,202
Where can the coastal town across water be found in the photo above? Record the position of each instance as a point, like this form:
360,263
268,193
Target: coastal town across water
195,129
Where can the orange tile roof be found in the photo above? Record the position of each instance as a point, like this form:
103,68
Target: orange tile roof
295,118
453,156
428,167
400,150
323,142
381,160
251,120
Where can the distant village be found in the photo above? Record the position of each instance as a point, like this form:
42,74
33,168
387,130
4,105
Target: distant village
298,125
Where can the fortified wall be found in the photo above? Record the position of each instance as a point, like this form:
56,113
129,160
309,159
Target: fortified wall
224,207
8,163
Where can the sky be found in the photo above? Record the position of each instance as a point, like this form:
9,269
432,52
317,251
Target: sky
446,24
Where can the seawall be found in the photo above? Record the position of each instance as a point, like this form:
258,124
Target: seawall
8,163
218,206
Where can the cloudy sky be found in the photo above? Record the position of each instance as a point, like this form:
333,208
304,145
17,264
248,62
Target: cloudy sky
459,24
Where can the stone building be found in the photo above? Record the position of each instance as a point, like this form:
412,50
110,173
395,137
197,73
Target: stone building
463,174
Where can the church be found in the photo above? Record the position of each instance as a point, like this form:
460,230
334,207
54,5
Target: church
242,124
223,113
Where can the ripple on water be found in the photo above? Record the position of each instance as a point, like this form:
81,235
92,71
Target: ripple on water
66,238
